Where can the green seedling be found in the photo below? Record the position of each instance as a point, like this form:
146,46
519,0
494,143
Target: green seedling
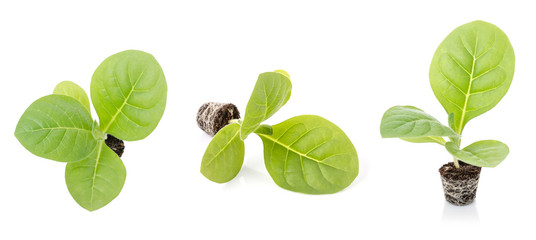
470,73
128,91
306,154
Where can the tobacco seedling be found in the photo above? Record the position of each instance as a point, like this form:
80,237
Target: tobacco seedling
128,91
307,153
470,73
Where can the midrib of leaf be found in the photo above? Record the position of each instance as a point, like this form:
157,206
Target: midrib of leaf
439,140
124,102
223,148
265,104
459,130
95,171
295,151
56,128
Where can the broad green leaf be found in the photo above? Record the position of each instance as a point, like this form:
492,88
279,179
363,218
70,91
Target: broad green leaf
472,70
129,91
486,153
97,180
71,89
57,127
271,92
224,156
413,125
309,154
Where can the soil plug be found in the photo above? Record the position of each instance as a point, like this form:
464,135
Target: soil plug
213,116
459,184
116,144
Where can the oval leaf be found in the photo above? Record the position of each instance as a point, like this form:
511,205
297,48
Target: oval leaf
129,91
309,154
224,156
57,127
413,125
472,70
71,89
486,153
271,92
97,180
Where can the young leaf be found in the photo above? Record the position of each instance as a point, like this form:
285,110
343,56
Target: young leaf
472,70
57,127
283,72
486,153
71,89
129,91
97,180
309,154
413,125
455,139
265,129
271,92
224,156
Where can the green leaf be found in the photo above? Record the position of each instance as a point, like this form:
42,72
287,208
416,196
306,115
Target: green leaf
472,70
413,125
57,127
71,89
486,153
129,91
309,154
451,120
97,180
283,72
455,139
224,156
265,129
271,92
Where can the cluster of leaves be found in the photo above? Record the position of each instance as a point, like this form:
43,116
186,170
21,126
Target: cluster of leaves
470,73
307,153
128,91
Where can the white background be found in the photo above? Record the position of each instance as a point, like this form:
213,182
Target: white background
348,62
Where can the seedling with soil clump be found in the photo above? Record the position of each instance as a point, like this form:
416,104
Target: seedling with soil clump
128,92
470,73
306,154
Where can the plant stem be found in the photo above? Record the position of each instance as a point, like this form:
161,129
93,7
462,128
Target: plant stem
439,140
456,163
234,121
458,142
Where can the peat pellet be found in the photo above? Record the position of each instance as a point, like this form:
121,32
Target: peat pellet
213,116
117,145
460,184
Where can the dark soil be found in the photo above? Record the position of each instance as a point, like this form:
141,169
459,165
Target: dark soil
213,116
117,145
466,171
460,184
